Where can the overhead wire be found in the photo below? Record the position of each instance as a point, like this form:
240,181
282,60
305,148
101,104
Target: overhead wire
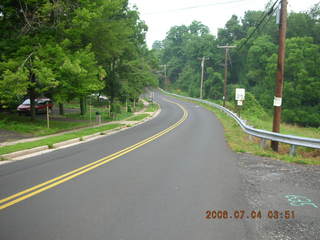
197,6
264,16
268,20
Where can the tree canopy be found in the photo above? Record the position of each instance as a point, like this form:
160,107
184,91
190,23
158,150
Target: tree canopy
66,49
253,63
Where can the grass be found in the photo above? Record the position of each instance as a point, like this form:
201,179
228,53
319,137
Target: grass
266,123
104,115
56,139
38,127
23,125
104,112
138,117
241,142
152,107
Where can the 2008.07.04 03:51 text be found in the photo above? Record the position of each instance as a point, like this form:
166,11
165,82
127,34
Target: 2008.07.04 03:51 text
254,214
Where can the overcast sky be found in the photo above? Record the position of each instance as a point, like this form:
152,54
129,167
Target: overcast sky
160,15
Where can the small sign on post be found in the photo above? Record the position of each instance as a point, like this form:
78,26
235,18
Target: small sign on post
240,96
277,101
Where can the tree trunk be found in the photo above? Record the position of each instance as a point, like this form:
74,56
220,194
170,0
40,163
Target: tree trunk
61,109
32,96
112,82
82,106
134,104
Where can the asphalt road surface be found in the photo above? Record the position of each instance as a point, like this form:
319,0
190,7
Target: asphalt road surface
180,172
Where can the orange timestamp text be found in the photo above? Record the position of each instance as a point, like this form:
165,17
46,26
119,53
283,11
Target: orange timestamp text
253,214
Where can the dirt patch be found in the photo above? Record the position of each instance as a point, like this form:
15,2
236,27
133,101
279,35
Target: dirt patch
6,135
312,154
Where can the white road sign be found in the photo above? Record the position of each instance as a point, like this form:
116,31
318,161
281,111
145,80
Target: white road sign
240,94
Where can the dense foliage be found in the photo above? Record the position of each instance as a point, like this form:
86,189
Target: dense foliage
253,63
70,49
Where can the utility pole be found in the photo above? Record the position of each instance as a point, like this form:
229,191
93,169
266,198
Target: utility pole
225,72
280,73
165,74
203,59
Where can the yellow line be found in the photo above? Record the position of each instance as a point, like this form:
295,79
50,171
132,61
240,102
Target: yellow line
79,171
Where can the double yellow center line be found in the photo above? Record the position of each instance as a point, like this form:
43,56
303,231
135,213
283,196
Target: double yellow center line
29,192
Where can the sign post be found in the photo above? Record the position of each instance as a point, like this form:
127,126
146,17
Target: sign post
240,96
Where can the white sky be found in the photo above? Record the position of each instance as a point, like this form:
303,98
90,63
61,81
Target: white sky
161,15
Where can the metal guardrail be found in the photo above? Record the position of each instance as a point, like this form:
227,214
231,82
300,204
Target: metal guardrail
263,134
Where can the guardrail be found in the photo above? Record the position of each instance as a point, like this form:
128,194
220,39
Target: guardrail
263,134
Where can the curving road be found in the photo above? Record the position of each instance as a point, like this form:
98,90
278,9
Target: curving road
159,190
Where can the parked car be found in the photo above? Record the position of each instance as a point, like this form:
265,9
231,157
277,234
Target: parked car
41,105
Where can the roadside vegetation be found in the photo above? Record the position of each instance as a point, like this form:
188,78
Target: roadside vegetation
252,64
257,117
40,127
23,125
152,107
74,50
72,119
56,139
240,142
138,117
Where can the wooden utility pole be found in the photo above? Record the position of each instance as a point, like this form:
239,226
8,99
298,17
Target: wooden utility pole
280,72
165,74
225,72
203,59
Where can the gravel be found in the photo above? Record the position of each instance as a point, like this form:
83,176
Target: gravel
267,182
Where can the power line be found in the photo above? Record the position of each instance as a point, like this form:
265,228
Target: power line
269,13
268,20
197,6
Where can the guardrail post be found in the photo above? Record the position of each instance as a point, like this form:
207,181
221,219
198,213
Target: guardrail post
292,150
250,138
263,143
294,141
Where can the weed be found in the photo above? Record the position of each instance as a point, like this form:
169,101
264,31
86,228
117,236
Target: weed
138,117
55,139
239,141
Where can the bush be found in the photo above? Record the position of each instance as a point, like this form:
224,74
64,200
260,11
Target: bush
116,107
302,117
129,108
252,106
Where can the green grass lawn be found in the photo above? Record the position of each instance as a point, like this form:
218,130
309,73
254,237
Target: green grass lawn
138,117
38,127
52,140
152,107
104,115
23,125
103,111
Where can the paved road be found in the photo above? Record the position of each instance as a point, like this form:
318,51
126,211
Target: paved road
160,190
